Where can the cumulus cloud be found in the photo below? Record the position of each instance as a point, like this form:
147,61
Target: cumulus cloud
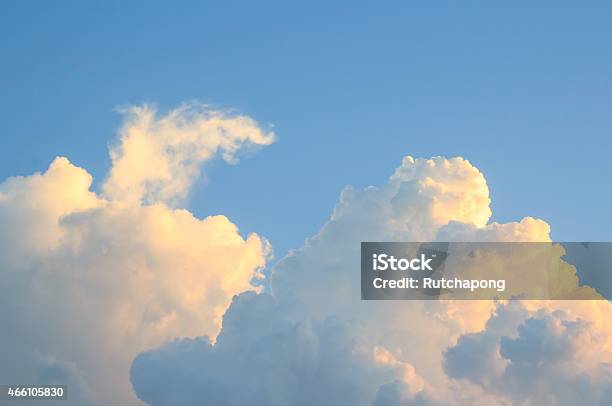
424,200
422,196
536,358
158,158
90,280
93,279
263,356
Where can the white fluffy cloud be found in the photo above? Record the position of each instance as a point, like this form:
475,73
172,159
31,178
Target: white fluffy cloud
263,356
93,279
424,200
536,358
422,196
89,280
158,158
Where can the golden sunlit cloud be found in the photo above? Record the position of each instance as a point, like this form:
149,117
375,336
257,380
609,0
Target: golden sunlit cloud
89,279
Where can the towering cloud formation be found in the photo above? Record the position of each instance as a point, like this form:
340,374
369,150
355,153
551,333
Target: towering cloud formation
90,280
96,283
277,350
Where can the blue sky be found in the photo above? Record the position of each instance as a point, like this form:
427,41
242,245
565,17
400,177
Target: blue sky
524,93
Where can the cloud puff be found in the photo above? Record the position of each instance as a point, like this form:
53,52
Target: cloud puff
158,158
424,200
421,196
264,357
89,281
536,358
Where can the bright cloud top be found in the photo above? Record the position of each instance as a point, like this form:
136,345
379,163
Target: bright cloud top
157,159
90,280
315,342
